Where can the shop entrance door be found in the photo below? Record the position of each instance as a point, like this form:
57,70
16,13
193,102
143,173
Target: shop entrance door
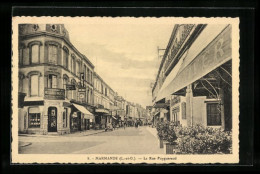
52,119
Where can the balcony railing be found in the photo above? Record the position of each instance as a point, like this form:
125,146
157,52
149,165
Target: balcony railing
54,94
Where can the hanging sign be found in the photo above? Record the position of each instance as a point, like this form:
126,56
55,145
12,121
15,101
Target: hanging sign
70,87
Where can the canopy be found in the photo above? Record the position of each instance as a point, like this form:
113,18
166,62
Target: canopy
193,67
86,113
114,117
102,111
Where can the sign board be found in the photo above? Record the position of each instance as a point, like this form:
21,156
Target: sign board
215,54
82,89
54,94
70,87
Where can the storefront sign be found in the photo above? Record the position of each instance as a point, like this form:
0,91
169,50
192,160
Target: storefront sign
70,87
54,94
82,89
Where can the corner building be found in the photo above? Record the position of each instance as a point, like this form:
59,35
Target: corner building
48,64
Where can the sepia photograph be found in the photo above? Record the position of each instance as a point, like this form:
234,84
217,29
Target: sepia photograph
125,90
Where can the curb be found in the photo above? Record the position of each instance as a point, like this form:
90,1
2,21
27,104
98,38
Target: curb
94,133
27,144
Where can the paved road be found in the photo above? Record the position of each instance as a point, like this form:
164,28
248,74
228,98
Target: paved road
131,140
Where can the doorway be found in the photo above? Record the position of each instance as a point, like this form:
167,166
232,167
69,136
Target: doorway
52,119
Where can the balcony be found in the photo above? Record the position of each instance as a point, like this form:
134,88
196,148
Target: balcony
54,94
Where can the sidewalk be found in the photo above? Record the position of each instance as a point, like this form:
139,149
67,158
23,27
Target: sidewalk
152,130
74,134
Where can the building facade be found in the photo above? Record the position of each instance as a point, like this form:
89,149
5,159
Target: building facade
58,98
196,74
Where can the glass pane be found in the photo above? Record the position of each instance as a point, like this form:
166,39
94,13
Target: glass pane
34,85
35,53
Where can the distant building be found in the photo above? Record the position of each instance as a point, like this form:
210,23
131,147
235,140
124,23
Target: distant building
102,102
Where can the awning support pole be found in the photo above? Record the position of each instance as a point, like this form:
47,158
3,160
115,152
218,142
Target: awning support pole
189,105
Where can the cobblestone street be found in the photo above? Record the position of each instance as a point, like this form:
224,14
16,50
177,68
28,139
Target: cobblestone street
131,140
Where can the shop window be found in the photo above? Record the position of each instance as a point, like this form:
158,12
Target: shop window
213,114
34,118
34,85
65,117
35,50
52,81
52,54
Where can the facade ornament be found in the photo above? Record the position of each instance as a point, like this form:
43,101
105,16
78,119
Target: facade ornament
35,27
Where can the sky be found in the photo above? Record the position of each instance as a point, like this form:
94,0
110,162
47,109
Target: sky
124,52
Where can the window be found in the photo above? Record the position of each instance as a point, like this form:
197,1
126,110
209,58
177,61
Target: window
65,58
213,114
34,117
65,82
73,92
73,65
34,85
52,54
52,81
65,117
91,77
78,68
20,56
35,49
88,75
85,71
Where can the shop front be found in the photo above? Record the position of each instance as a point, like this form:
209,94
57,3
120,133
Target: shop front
81,118
205,80
101,118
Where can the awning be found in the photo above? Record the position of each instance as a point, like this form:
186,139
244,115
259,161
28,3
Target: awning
102,111
86,113
216,53
114,117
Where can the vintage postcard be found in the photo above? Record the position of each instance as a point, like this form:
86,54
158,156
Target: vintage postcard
125,90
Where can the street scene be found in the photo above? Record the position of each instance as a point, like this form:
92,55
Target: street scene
117,86
142,140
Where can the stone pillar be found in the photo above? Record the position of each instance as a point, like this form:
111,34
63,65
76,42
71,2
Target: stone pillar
189,105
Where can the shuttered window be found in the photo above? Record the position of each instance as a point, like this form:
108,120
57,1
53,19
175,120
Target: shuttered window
213,114
52,54
35,54
34,85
